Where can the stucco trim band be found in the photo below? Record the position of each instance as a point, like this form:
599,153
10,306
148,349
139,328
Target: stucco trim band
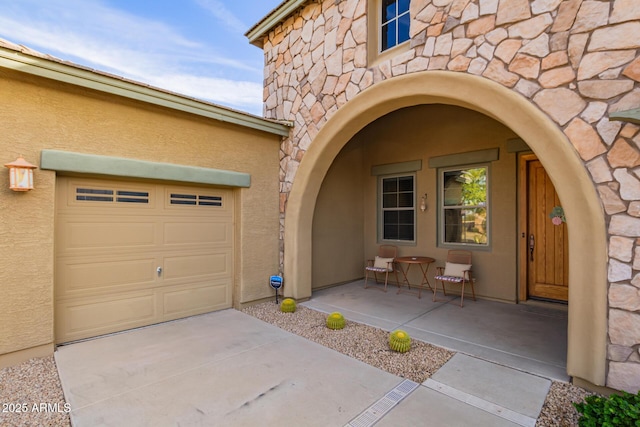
631,116
394,168
77,76
517,145
17,357
64,161
480,156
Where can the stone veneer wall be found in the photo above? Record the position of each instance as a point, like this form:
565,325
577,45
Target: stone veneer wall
577,60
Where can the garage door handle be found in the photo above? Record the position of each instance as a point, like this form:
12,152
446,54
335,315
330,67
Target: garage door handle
159,270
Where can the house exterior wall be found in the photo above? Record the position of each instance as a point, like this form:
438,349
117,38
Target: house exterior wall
39,113
338,221
576,61
345,219
393,139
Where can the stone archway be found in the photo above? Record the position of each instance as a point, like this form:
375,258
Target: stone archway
586,356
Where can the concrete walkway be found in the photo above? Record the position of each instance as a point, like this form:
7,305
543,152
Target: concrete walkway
528,337
230,369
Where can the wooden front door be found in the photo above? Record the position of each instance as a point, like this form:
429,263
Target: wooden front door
544,246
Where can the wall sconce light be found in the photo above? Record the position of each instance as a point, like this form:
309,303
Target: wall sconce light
423,203
20,175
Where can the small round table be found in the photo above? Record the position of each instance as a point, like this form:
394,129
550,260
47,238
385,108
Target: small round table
422,261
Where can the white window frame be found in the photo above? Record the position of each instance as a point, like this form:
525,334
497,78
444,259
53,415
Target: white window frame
382,209
382,22
442,208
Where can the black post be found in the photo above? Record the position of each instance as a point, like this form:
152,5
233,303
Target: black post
276,283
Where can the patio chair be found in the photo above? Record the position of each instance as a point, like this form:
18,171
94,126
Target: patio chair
456,270
382,264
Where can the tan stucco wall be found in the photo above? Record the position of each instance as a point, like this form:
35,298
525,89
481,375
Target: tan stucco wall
395,138
338,221
345,218
42,114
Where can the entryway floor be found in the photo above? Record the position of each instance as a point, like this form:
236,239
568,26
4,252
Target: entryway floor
530,337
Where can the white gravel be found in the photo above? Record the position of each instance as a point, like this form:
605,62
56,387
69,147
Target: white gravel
31,393
362,342
557,409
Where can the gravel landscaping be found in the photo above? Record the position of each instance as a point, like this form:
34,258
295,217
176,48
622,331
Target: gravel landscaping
362,342
31,384
31,395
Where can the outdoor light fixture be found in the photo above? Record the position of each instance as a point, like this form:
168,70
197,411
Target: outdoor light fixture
20,174
423,203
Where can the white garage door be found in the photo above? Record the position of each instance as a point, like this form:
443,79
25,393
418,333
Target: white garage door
131,254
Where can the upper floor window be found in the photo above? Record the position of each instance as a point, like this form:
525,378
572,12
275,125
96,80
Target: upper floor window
395,23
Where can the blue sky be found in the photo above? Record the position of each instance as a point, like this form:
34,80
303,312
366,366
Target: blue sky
193,47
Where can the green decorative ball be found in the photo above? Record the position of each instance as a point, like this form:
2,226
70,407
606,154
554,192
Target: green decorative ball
288,305
399,341
335,321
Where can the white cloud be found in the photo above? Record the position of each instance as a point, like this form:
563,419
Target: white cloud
219,11
247,95
91,19
94,35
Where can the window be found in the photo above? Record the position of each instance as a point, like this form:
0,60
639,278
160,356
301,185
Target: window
397,205
463,206
395,23
195,200
111,195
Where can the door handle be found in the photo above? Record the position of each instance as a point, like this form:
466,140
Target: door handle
532,245
159,271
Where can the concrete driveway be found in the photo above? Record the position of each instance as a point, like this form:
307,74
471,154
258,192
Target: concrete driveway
230,369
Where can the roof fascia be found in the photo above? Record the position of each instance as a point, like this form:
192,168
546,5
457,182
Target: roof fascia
77,76
279,14
631,116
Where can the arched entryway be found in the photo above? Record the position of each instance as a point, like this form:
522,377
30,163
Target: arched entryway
587,232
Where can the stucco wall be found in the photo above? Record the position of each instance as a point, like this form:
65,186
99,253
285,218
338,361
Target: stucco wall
394,138
42,114
576,61
338,221
345,225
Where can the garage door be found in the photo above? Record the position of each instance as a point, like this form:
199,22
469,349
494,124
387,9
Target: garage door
132,254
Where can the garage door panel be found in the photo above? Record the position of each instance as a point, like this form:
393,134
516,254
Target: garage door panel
195,300
198,201
87,196
198,233
77,319
109,236
189,266
97,274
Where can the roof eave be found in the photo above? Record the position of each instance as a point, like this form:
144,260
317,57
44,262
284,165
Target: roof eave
276,16
103,82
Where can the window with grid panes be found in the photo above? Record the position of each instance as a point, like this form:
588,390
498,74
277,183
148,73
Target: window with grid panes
397,204
394,23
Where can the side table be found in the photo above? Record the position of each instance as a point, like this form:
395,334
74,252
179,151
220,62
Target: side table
424,263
